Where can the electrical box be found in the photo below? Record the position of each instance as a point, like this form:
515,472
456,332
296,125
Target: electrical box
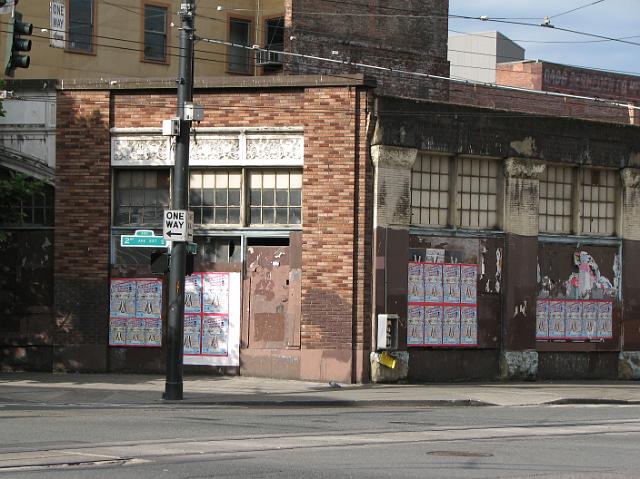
193,112
171,127
387,332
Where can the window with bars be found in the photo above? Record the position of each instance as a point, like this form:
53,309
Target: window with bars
215,197
275,197
430,190
471,182
598,201
140,197
155,33
477,195
556,196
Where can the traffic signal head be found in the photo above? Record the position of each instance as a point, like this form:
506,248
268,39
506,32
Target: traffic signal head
18,44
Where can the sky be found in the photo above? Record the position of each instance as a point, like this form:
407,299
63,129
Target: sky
609,18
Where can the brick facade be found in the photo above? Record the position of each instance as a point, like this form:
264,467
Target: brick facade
380,35
336,257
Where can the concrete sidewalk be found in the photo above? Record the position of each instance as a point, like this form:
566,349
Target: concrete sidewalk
138,390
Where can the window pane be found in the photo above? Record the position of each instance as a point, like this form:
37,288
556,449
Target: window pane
81,24
140,197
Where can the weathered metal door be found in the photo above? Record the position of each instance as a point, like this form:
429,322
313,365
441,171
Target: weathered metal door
271,299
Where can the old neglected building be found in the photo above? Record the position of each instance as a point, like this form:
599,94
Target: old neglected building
501,227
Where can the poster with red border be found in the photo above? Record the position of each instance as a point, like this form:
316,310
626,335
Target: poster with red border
135,316
468,326
415,283
468,283
215,335
415,325
433,292
451,283
556,319
433,325
573,320
605,319
590,319
542,319
451,325
193,294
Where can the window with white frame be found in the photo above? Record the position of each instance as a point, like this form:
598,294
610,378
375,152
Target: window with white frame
215,196
275,197
556,197
471,182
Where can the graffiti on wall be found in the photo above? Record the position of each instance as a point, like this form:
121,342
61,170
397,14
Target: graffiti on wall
583,310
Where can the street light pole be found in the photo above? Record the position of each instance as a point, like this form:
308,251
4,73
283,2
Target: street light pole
180,201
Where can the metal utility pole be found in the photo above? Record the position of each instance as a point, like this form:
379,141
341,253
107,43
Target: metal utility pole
180,201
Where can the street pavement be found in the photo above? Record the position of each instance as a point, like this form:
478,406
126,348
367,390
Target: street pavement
129,389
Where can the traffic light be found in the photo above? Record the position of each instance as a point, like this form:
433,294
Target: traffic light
18,44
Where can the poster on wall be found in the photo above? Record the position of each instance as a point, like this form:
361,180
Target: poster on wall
415,325
451,283
556,319
590,319
573,319
433,283
433,325
415,283
135,312
468,326
542,319
468,284
212,331
605,319
451,325
193,294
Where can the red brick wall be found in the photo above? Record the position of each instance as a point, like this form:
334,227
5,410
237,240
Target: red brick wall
520,74
336,257
82,202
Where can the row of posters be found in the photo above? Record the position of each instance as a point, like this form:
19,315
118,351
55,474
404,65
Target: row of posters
135,312
442,304
206,318
576,320
442,283
437,325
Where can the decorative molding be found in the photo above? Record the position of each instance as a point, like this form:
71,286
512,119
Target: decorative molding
140,151
523,168
630,177
393,157
275,149
209,151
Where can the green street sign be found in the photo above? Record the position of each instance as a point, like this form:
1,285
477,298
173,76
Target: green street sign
142,239
192,248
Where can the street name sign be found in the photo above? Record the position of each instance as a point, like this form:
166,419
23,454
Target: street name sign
142,239
177,225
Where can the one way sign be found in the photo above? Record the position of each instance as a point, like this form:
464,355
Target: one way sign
178,225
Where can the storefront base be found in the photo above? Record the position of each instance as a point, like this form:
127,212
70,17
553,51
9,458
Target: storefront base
385,374
453,365
26,358
578,365
629,365
80,358
519,365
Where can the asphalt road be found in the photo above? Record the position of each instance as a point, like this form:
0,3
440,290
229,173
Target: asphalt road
178,441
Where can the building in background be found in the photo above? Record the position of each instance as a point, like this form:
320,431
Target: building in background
475,56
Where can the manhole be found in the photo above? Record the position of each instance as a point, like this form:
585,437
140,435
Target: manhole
459,454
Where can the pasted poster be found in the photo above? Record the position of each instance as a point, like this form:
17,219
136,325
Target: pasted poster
191,334
212,330
415,283
451,325
542,319
556,319
468,326
451,283
215,335
590,319
193,294
415,325
468,283
122,301
433,291
443,294
605,319
215,293
433,325
573,319
135,316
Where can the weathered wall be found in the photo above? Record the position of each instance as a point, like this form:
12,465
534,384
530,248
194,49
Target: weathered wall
374,33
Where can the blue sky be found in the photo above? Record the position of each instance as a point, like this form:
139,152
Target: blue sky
610,18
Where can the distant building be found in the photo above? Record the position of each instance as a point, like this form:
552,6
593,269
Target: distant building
474,56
